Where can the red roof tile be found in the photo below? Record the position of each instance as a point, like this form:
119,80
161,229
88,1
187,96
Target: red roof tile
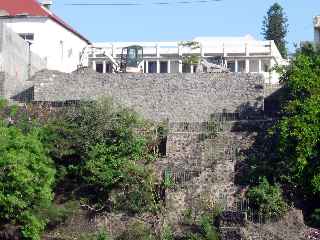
33,8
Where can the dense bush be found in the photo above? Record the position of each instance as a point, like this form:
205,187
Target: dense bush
137,191
267,200
289,152
115,154
96,147
298,132
208,230
26,178
104,147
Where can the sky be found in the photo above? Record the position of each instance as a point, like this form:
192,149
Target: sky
177,22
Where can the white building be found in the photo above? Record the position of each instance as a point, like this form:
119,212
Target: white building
316,23
50,37
239,54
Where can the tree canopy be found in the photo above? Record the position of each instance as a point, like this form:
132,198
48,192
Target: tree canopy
275,27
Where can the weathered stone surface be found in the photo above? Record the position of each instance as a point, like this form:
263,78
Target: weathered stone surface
2,79
177,97
291,226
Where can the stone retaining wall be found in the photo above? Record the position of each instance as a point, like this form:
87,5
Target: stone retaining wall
2,79
177,97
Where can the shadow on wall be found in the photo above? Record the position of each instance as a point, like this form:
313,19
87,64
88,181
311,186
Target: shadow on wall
250,111
245,111
25,96
273,101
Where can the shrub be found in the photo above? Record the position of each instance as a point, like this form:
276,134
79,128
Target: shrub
168,181
209,231
32,227
100,146
167,233
137,194
26,179
187,215
267,199
58,214
116,155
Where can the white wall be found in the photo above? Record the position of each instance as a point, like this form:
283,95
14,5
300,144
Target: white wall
16,61
316,23
245,51
317,35
60,47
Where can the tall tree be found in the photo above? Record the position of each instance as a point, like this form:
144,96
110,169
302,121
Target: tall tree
275,27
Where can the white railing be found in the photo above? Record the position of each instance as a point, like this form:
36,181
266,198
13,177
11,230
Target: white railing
262,47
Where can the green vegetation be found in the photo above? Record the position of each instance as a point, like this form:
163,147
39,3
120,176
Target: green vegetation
289,154
267,199
167,234
192,59
26,177
275,27
168,181
98,150
208,231
203,217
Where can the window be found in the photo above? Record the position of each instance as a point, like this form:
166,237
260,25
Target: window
163,67
186,68
241,66
99,67
109,68
27,36
174,66
231,66
254,65
265,65
152,66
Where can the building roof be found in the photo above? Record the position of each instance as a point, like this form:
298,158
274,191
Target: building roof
15,8
246,38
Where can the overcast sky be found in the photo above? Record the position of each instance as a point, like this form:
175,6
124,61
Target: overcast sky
150,22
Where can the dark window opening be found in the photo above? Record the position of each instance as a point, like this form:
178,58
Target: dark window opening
163,67
27,36
99,67
152,66
186,68
109,68
162,147
231,66
241,66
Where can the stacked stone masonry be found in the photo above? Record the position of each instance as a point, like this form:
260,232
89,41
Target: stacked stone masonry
203,166
173,97
2,79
